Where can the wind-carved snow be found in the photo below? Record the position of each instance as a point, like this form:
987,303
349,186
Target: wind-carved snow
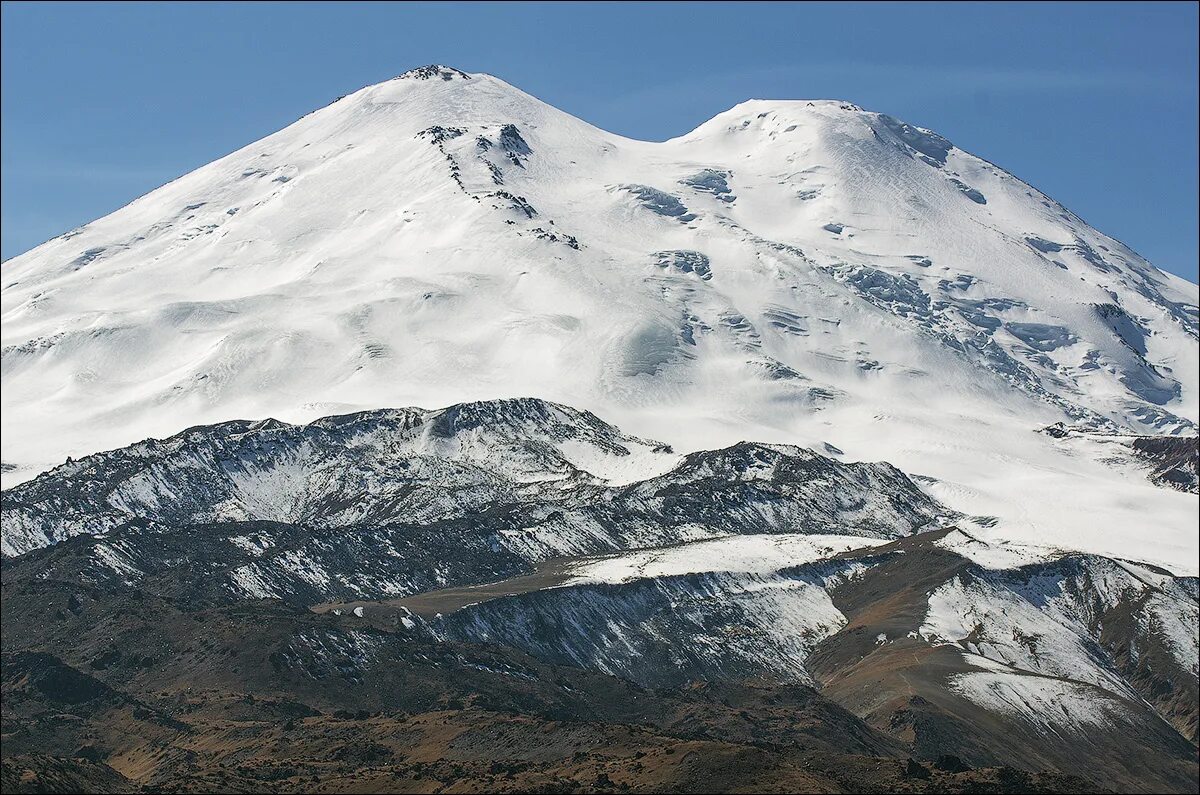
712,181
660,202
444,237
685,262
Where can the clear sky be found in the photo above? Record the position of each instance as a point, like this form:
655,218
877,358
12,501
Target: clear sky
1095,104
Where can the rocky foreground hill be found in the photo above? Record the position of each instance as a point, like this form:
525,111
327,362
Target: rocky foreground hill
516,596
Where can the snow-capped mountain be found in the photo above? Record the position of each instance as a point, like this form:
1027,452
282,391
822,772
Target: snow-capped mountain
790,272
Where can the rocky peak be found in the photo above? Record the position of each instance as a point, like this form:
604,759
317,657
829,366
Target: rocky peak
434,72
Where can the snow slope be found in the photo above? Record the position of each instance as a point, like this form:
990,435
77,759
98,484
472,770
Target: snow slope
790,271
753,554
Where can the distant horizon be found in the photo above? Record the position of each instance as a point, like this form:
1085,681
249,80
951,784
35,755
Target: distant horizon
90,126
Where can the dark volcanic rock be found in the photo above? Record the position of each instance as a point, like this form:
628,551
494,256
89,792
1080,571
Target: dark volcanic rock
1175,460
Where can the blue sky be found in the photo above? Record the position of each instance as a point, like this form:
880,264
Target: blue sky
1095,104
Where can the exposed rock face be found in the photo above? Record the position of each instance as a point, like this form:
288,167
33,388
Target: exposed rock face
394,502
1174,459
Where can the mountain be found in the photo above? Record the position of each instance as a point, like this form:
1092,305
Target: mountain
394,552
501,483
803,452
791,272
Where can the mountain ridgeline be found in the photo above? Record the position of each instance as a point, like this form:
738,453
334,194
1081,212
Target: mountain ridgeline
796,272
803,452
404,500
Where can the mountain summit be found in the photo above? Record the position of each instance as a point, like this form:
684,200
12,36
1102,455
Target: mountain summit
434,72
790,271
804,451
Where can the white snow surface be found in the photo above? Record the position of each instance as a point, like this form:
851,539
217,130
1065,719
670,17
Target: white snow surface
790,271
749,554
997,555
